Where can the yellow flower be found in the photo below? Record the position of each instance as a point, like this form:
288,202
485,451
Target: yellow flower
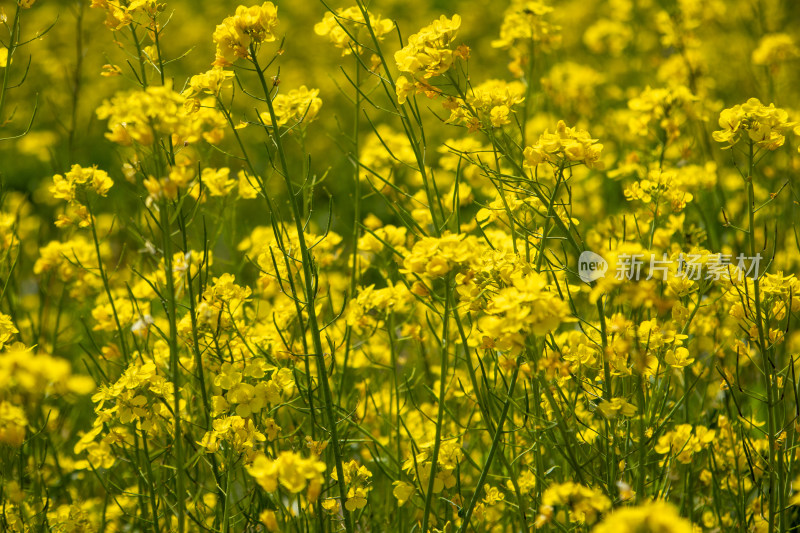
270,521
13,424
656,516
228,376
7,329
217,181
298,105
339,28
101,455
247,186
248,399
765,126
775,48
584,504
331,505
65,187
499,116
678,358
293,472
138,117
564,147
110,71
403,88
249,26
356,499
681,443
428,52
611,409
209,82
402,491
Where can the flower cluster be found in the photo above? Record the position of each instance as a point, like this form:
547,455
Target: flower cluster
142,117
247,27
346,24
357,478
774,49
428,52
488,105
525,307
526,24
765,126
210,82
239,433
420,467
484,330
667,109
298,105
685,441
650,516
66,187
290,471
436,257
583,504
564,147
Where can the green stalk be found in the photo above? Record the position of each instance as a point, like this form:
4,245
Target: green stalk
152,488
642,476
550,214
495,445
246,156
769,379
610,434
76,81
356,217
174,364
310,297
138,45
106,286
397,424
440,414
12,46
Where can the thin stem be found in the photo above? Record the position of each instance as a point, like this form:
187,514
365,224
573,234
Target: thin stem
440,414
309,291
12,46
498,434
174,363
767,362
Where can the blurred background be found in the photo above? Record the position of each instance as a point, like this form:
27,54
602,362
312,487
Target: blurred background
609,52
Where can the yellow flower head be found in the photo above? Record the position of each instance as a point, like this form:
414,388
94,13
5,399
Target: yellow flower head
428,52
298,105
249,26
564,147
345,24
765,126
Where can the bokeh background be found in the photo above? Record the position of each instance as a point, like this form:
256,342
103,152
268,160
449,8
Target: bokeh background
610,51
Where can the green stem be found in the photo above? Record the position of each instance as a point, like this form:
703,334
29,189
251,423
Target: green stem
440,414
309,290
174,363
548,222
138,45
610,434
356,220
767,362
498,434
12,46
